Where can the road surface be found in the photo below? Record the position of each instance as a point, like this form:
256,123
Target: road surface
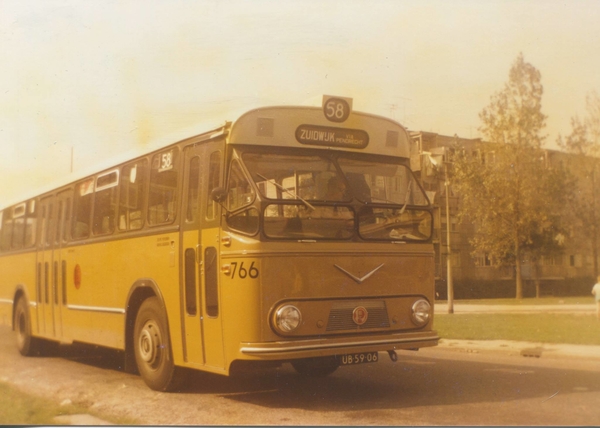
431,387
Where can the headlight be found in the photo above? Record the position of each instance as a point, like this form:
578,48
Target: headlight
287,318
421,312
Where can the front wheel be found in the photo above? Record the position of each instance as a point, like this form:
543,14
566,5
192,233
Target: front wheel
316,367
153,349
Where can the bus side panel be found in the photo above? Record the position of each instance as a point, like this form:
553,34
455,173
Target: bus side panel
108,270
17,269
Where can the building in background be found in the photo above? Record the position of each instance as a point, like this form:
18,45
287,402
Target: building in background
474,275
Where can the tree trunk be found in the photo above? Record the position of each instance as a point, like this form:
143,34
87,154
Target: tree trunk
519,278
536,270
594,224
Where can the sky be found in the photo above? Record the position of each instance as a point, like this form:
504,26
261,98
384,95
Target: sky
85,82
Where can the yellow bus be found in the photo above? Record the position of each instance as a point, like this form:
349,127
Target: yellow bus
294,235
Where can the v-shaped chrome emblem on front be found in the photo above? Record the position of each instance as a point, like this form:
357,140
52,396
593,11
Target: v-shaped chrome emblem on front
357,279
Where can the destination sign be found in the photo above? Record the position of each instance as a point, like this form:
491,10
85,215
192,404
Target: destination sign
333,137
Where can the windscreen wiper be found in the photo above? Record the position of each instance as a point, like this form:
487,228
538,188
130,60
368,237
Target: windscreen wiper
280,187
407,197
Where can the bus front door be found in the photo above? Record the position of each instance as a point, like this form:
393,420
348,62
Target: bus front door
203,337
191,298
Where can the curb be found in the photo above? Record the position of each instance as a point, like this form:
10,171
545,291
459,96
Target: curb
80,419
462,309
525,349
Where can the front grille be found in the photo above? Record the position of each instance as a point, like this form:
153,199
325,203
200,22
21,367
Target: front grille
340,316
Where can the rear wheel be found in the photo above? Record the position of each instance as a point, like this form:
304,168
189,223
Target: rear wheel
153,349
316,367
26,344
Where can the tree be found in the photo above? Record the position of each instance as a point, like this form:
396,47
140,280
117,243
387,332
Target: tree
507,186
584,144
547,239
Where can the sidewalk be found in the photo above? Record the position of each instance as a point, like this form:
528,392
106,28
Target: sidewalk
526,349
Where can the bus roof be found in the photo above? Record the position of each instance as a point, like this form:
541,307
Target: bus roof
309,127
287,126
151,146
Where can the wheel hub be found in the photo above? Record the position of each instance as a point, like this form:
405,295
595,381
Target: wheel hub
150,343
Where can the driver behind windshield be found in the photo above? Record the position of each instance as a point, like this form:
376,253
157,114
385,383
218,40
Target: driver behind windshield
336,189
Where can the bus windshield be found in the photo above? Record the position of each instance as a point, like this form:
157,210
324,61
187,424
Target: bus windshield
321,196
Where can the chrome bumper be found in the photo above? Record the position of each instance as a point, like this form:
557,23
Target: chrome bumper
295,349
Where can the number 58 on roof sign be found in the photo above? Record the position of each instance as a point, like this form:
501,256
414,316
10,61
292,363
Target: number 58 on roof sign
336,109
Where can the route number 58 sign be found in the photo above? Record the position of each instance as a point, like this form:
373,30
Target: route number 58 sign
336,109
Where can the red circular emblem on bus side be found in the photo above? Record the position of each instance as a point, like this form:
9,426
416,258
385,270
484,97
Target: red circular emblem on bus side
360,315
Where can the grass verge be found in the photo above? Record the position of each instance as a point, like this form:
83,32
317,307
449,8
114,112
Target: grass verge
19,408
540,327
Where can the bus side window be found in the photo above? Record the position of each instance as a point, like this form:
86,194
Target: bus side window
67,220
105,203
30,224
240,192
43,225
240,195
132,196
193,196
49,227
18,226
82,207
1,230
214,174
164,177
59,217
7,226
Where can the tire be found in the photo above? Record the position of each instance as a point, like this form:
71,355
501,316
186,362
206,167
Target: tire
26,344
316,367
152,348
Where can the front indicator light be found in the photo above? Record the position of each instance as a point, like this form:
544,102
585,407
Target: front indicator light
287,318
421,312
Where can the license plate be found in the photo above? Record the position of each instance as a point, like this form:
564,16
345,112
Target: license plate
359,358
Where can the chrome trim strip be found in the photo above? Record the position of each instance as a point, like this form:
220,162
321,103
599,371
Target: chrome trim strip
96,309
10,302
255,350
